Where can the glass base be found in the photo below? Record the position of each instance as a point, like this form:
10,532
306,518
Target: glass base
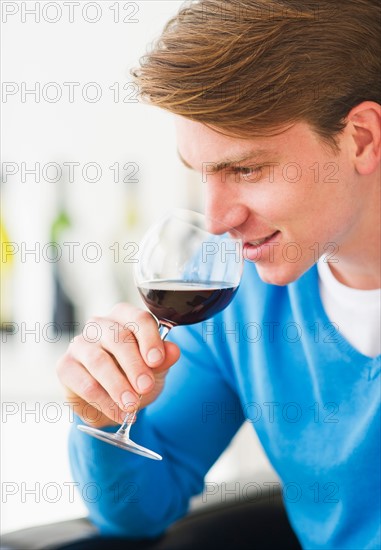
120,441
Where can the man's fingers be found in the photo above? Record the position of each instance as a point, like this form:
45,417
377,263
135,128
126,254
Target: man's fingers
172,354
105,369
92,401
116,365
145,330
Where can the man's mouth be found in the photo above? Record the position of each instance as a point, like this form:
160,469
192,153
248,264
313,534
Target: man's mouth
260,242
256,250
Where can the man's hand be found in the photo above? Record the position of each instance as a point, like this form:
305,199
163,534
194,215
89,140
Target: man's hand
104,378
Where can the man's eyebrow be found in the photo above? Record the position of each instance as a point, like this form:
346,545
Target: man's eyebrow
237,161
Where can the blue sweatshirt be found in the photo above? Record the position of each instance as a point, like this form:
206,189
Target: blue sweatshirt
274,359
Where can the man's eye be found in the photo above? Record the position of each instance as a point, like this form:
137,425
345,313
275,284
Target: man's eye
250,170
247,171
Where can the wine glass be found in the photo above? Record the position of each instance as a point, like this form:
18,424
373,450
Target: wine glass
184,275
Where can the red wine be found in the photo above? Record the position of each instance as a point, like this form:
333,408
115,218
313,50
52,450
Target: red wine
185,303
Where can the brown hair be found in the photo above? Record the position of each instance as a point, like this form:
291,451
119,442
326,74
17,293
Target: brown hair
250,67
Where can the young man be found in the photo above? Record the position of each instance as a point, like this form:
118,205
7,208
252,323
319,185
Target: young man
278,105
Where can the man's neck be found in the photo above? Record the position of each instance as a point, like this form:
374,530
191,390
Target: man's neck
359,257
355,276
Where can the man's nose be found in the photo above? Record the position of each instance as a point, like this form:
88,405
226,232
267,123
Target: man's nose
223,208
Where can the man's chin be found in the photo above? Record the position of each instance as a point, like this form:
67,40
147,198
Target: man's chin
280,275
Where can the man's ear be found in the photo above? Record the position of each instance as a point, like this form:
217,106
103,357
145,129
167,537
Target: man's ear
365,127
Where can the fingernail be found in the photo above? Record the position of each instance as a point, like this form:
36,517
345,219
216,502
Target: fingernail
144,382
129,400
154,355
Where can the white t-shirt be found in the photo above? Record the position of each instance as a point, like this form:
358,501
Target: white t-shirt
356,312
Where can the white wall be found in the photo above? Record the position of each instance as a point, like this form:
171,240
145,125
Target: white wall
105,132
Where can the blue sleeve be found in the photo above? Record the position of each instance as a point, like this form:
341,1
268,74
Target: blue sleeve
190,425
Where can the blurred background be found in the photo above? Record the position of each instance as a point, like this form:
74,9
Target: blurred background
85,169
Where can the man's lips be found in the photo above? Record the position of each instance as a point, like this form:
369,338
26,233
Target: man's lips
253,249
258,242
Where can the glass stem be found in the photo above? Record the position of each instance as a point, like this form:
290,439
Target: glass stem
164,329
124,430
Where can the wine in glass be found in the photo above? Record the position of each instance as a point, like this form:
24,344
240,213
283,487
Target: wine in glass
185,275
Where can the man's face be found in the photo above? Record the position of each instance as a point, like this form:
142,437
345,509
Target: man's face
290,189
